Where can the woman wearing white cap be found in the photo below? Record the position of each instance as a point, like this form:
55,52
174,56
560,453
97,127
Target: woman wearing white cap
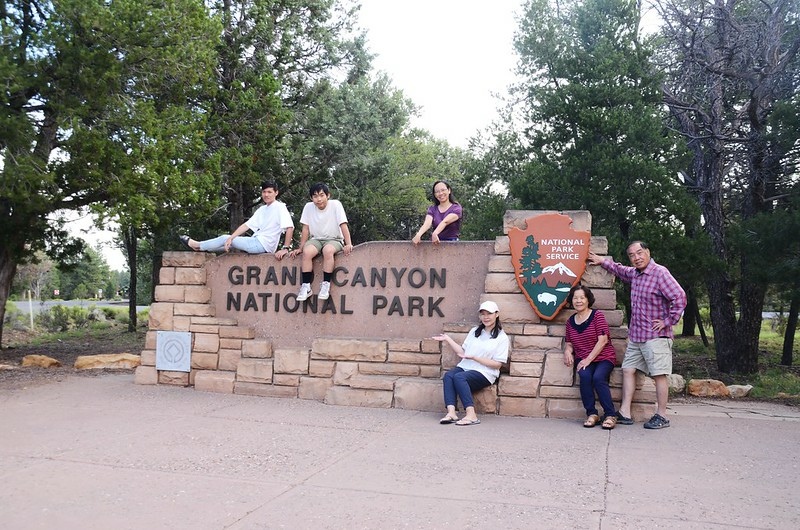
482,355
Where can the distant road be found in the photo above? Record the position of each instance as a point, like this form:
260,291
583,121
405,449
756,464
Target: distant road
38,306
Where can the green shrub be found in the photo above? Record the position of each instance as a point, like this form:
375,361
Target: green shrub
60,318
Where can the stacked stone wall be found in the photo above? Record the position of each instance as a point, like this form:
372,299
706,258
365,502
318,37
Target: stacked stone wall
402,373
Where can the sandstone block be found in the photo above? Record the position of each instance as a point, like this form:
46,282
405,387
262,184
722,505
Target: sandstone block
514,308
117,361
321,368
500,264
642,412
313,388
414,358
514,329
525,369
188,309
349,349
431,346
160,316
229,359
148,358
388,369
185,259
502,246
527,356
707,388
344,371
291,361
557,330
181,323
150,339
597,277
190,276
556,373
537,342
166,275
254,371
560,392
264,390
41,361
169,293
372,382
214,381
619,333
605,299
356,397
518,386
204,328
206,342
230,344
614,318
519,406
145,375
404,345
213,321
598,245
286,379
501,282
566,409
236,332
430,371
166,377
256,348
486,400
197,294
418,394
537,329
204,361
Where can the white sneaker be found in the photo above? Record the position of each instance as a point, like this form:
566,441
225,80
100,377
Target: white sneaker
324,290
305,292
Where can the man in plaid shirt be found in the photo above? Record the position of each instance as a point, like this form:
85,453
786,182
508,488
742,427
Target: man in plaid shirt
657,303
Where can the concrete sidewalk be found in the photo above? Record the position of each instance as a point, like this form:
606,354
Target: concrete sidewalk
103,453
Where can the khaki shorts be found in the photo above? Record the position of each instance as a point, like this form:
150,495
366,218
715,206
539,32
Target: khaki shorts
653,357
338,244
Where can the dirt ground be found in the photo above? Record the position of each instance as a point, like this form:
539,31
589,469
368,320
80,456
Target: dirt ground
17,344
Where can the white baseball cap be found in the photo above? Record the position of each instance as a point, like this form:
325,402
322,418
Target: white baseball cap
489,306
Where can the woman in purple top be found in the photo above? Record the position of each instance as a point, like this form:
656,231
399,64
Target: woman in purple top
444,216
588,341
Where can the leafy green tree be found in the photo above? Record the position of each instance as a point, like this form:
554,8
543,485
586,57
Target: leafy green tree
78,73
731,70
593,136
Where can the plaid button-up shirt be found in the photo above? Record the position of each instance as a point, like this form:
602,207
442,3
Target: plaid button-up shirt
655,294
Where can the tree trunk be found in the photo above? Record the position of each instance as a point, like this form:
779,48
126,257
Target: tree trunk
700,326
791,328
131,243
8,268
690,314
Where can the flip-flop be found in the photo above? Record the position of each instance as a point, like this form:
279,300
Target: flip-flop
464,421
447,420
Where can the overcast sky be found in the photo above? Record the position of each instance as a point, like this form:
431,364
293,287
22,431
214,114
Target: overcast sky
448,56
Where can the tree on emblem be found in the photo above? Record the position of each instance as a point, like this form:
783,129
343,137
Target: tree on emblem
529,264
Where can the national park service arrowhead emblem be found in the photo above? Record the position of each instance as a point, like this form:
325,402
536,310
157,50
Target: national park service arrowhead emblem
549,257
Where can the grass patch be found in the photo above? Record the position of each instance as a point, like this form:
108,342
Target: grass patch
693,360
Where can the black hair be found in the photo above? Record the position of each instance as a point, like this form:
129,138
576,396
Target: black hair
433,192
269,184
495,330
641,243
318,187
588,292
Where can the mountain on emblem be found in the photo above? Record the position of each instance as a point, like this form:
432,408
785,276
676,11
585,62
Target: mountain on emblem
549,257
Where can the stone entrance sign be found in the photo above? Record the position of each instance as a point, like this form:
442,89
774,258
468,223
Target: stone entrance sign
369,344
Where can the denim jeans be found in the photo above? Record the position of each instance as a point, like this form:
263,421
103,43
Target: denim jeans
594,378
248,244
463,383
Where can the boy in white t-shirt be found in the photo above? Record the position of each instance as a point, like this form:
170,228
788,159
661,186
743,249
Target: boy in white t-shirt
325,231
267,224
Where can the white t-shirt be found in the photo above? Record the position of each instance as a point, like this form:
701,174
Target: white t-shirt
486,347
268,223
324,224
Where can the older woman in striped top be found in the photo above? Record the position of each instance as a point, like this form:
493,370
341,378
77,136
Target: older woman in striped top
588,342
